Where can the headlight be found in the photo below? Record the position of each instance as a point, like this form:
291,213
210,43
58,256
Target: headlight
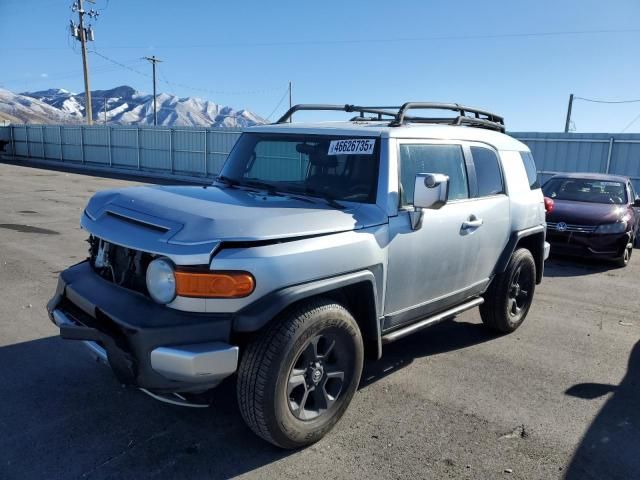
617,227
161,280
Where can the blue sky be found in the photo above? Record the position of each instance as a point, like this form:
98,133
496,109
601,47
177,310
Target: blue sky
488,53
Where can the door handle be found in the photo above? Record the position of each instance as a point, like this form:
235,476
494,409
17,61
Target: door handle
473,222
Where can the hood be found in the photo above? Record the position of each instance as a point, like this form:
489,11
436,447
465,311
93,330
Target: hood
179,220
585,213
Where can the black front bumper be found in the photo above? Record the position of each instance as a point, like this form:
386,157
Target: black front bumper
608,246
129,326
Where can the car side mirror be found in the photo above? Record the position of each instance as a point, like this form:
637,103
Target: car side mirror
636,202
431,190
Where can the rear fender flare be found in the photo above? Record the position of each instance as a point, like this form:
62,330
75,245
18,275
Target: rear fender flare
537,234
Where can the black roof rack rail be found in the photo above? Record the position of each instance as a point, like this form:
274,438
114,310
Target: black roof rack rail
480,118
473,117
379,111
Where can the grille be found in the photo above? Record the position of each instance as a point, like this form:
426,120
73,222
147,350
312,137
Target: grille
567,227
123,266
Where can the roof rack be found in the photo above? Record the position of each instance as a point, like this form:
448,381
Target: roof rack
397,115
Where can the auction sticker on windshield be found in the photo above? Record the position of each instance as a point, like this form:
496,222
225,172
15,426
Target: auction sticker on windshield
352,146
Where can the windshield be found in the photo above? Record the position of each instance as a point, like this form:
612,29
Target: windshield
584,190
329,166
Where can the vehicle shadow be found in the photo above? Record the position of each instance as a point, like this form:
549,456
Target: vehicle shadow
564,266
444,337
62,416
611,446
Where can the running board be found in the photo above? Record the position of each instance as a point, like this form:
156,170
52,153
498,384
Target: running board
427,322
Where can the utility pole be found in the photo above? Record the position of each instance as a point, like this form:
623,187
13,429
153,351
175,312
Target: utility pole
84,35
569,108
290,120
153,61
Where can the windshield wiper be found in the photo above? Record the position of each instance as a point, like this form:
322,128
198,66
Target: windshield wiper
229,181
269,187
325,196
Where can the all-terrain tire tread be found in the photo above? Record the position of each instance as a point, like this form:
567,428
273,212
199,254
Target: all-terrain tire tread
258,359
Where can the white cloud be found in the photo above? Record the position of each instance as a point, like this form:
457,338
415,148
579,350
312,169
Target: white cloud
44,75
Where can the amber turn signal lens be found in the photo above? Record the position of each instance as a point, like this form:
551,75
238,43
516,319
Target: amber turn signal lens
214,284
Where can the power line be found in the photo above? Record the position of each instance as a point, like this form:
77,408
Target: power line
164,79
480,36
573,97
605,101
284,95
120,64
631,123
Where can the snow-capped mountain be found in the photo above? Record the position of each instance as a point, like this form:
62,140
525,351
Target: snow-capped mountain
17,108
125,106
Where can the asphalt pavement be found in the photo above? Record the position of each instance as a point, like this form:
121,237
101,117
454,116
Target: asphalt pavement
558,398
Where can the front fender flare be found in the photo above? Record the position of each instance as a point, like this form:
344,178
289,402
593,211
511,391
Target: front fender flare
259,313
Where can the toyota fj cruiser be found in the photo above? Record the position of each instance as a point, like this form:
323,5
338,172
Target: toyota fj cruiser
317,244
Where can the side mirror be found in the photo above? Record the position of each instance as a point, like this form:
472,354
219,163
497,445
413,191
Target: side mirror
636,202
431,190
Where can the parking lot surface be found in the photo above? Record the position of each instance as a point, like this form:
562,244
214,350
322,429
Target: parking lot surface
558,398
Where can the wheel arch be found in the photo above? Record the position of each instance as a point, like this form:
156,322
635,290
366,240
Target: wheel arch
533,240
356,291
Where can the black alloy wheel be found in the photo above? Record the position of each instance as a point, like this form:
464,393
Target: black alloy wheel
317,377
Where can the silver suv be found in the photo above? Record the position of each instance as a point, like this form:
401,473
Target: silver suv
317,244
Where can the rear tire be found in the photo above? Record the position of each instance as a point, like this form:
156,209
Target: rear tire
296,380
508,298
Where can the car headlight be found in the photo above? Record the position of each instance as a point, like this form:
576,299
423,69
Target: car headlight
161,280
618,227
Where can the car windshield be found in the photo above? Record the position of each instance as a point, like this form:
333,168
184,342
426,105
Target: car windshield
328,166
585,190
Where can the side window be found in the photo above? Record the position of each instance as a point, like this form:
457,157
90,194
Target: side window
530,167
446,159
634,195
488,171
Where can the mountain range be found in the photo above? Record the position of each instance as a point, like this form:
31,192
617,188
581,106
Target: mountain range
122,106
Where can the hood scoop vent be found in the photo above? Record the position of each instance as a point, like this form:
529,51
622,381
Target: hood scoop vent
138,223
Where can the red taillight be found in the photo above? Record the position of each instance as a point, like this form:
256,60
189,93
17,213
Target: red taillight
548,204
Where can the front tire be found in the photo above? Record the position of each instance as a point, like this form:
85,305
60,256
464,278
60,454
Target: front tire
297,379
623,260
508,298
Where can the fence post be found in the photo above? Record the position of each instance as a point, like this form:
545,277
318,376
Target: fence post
44,154
60,141
82,142
205,152
13,141
138,144
609,155
171,148
109,146
26,136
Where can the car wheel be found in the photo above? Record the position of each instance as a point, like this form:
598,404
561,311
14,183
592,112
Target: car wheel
297,379
509,297
623,260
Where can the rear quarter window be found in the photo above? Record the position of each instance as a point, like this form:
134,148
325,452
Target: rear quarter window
530,167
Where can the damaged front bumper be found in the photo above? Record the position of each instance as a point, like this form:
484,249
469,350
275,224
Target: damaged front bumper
147,345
